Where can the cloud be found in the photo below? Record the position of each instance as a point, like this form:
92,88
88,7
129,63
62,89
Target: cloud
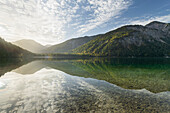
52,21
165,18
103,11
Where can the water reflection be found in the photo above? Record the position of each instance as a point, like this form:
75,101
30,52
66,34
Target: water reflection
48,86
7,64
151,74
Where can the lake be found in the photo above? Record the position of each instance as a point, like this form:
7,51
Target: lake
85,85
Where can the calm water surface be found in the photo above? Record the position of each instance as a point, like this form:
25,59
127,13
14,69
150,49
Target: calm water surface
93,85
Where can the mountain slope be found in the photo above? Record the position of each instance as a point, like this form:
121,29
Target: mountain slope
130,41
9,50
159,26
68,45
30,45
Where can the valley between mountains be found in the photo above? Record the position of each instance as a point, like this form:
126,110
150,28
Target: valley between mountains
151,40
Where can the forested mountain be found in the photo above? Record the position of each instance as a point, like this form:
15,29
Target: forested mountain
68,45
9,50
30,45
152,40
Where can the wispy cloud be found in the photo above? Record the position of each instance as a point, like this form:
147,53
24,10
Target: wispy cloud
144,21
103,11
51,21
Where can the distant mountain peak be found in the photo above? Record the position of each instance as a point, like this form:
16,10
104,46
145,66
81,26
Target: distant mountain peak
8,50
28,40
30,45
155,22
159,26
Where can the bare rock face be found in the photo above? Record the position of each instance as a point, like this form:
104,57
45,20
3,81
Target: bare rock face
155,33
152,40
159,26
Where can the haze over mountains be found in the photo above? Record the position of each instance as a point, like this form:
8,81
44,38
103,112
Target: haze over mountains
30,45
152,40
8,50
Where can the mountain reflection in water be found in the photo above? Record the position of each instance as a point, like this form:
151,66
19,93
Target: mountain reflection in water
136,85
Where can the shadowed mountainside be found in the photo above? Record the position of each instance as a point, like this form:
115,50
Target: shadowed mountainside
8,50
68,45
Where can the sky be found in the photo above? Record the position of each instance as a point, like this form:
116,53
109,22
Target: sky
55,21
